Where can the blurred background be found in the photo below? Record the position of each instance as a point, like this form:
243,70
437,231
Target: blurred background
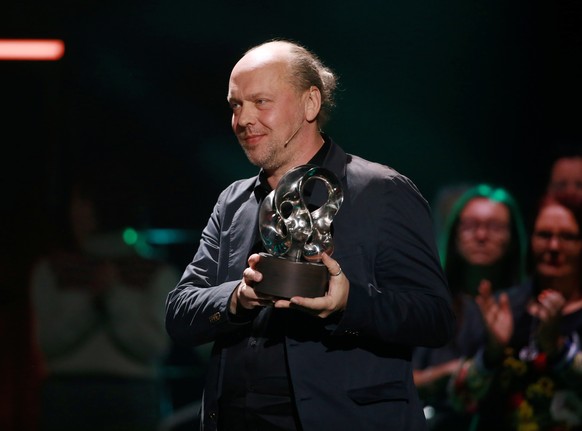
444,92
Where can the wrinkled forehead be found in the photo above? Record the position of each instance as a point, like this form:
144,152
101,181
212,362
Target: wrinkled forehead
264,56
264,79
260,73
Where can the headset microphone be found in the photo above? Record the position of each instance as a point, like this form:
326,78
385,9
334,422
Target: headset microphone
293,135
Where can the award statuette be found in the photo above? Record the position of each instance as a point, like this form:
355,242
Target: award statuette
296,237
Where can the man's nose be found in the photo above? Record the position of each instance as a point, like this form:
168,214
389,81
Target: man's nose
246,116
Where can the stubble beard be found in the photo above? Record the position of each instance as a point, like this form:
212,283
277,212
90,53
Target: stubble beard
265,157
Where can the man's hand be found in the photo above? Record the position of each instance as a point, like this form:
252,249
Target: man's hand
336,297
245,295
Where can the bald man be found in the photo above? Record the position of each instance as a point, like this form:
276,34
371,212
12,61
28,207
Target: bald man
335,362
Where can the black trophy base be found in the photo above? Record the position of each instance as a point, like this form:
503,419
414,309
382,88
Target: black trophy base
286,278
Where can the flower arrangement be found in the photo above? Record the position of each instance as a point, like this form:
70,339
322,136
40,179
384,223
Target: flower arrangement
526,392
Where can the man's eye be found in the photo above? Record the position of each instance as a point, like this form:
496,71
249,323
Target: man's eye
234,105
261,101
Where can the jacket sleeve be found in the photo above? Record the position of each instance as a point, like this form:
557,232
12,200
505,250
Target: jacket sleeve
406,300
197,309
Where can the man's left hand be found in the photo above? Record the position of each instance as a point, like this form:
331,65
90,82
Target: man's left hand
335,299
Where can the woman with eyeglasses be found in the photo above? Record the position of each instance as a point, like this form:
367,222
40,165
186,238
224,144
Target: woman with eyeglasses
483,244
528,375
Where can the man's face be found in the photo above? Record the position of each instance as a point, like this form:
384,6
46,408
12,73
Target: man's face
567,176
266,111
483,233
556,244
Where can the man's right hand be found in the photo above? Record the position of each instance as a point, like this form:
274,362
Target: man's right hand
244,295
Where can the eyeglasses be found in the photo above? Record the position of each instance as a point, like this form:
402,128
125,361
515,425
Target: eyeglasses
563,237
561,186
470,227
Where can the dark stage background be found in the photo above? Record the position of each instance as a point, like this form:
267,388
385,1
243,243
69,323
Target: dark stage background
444,92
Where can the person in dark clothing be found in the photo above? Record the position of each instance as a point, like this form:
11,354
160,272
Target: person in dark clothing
484,243
334,362
528,373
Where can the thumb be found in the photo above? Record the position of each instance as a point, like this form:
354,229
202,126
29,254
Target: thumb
504,301
332,265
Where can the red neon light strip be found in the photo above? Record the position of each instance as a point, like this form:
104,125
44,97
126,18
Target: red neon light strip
31,49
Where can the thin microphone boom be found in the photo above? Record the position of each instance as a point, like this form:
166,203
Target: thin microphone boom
293,135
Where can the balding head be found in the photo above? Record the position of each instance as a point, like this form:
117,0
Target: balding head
304,69
269,52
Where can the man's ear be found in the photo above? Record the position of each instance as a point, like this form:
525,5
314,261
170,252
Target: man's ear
312,103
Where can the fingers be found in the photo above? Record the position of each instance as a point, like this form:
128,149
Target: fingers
333,267
253,259
316,304
249,298
489,306
250,274
484,288
535,309
321,307
552,300
281,303
504,301
336,297
484,297
549,305
245,295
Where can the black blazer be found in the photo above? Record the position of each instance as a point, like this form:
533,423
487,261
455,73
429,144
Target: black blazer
352,369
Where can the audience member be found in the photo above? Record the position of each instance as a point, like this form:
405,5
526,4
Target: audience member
566,174
100,314
484,239
483,244
528,375
444,202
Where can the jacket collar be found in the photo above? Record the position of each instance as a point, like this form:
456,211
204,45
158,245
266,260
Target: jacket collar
336,161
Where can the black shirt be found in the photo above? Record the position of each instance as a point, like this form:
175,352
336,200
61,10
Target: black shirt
256,385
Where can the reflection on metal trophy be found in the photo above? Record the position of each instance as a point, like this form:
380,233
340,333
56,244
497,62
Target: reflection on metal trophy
296,237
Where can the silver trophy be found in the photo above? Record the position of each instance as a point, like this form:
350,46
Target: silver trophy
296,237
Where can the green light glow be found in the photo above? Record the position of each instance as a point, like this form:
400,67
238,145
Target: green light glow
130,236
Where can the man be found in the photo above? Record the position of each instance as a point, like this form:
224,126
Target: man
330,363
